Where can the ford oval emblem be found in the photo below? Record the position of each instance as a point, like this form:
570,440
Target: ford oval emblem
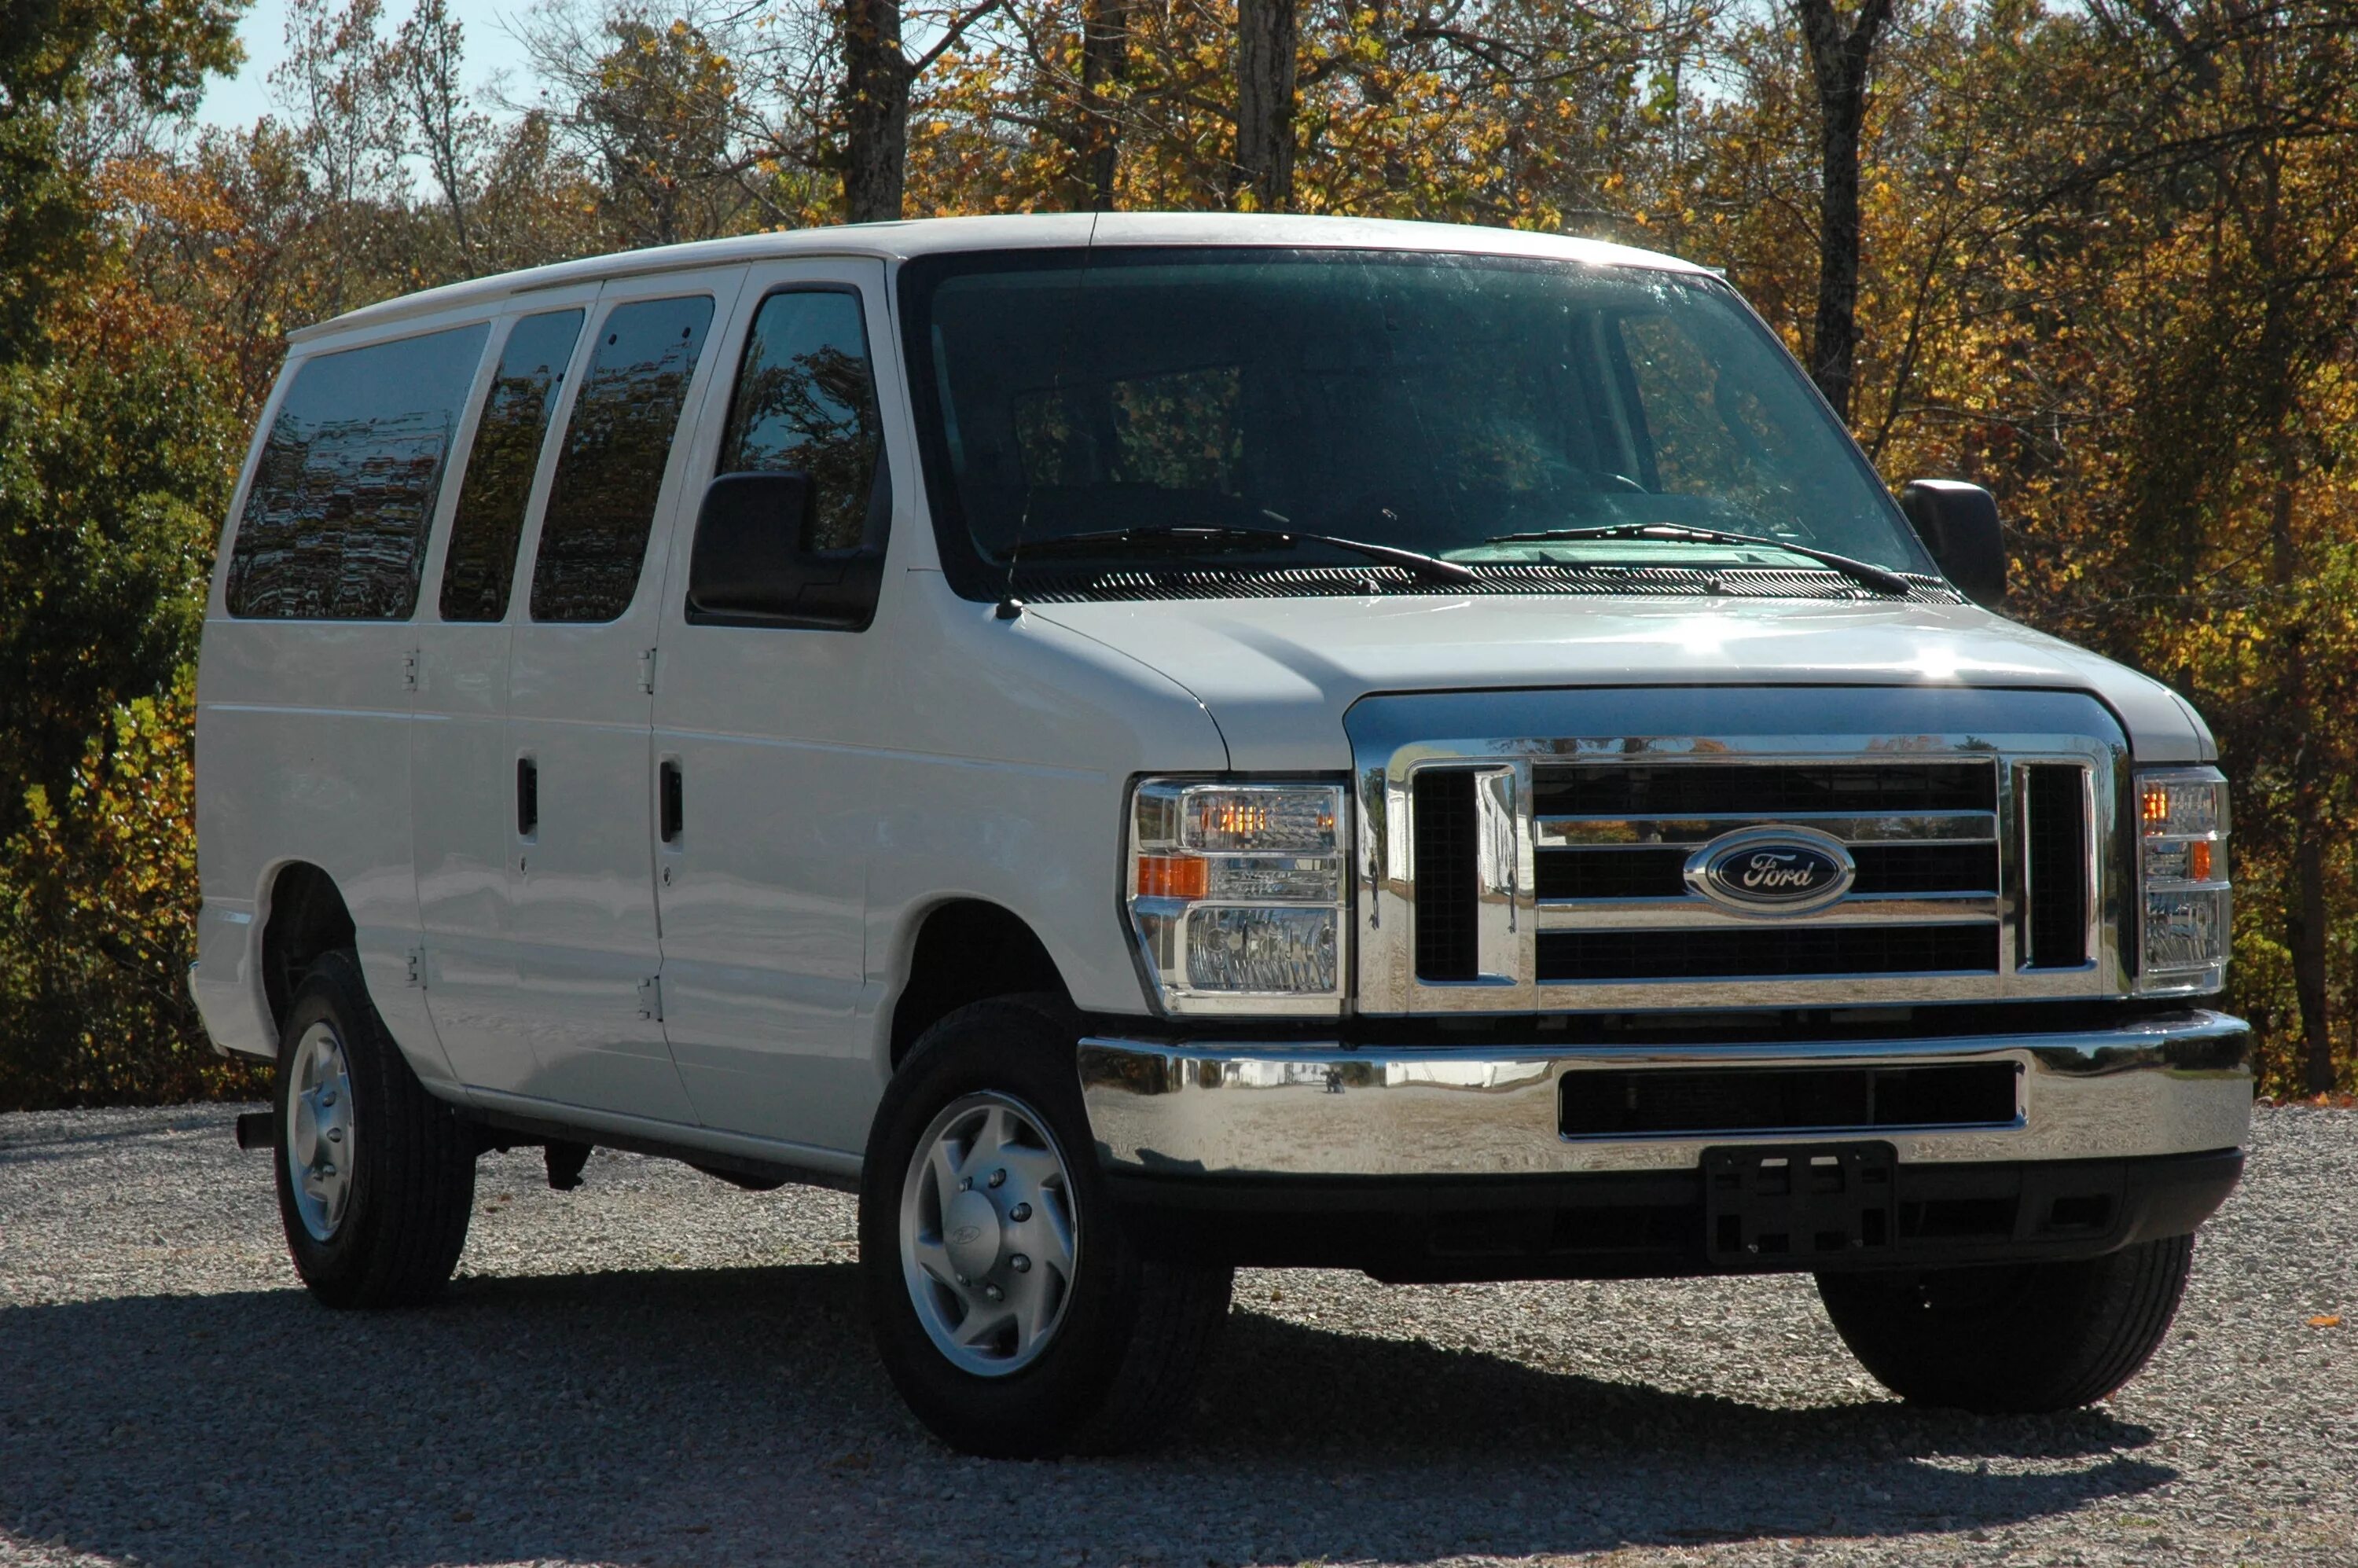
1772,871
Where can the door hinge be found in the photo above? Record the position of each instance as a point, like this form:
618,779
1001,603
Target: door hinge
409,670
417,968
651,998
647,671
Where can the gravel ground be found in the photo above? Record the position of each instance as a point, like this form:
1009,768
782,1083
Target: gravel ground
659,1368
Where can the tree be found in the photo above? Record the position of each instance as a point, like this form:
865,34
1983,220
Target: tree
427,55
1268,37
336,92
1841,51
873,102
52,58
1105,77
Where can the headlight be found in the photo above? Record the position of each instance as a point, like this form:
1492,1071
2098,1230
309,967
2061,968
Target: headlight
1236,892
2182,888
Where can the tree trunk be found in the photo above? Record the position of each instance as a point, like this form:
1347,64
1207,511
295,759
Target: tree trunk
2308,953
2306,925
1105,72
876,80
2305,916
1267,33
1839,55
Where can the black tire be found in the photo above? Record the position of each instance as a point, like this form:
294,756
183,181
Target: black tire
397,1234
1135,1329
2017,1339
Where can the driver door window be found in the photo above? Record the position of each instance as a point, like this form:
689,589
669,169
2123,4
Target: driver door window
806,402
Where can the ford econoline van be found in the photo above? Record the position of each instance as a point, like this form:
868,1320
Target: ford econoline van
1144,745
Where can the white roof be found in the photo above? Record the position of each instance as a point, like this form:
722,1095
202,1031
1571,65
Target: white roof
935,236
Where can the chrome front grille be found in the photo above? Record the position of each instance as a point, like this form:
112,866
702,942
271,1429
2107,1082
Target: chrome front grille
1612,841
1550,864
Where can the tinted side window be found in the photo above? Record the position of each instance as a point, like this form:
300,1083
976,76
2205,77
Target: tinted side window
602,500
806,401
334,528
481,565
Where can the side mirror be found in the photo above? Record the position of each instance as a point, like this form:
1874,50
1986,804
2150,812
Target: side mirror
1958,523
748,566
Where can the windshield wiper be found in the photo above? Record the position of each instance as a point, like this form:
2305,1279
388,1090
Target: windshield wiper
1215,536
1859,572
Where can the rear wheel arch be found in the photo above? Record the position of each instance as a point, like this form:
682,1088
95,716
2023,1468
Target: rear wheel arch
305,918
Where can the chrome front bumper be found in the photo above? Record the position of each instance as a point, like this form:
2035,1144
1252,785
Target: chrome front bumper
2167,1085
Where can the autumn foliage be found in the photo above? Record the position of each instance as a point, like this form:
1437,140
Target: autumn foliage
2106,264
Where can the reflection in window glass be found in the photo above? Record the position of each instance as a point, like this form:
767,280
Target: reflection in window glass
602,501
481,566
806,402
334,528
1437,403
1169,432
1709,432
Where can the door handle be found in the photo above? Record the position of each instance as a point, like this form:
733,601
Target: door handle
670,801
527,797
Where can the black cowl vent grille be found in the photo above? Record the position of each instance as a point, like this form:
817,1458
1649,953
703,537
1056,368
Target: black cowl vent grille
1061,584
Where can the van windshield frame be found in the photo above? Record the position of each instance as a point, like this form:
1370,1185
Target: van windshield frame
1459,396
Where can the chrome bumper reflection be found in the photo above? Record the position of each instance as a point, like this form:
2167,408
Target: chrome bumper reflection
2172,1084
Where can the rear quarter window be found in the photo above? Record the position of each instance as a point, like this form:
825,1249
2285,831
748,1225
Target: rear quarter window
334,527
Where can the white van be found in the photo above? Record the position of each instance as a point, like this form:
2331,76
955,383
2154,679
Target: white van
1148,744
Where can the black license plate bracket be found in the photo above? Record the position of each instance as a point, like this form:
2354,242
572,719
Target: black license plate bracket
1798,1205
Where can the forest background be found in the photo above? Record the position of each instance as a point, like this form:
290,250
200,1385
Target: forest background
2099,256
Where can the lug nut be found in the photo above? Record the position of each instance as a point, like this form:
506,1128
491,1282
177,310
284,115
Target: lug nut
992,1293
1020,1263
964,1280
998,1178
1020,1213
335,1135
965,1183
328,1097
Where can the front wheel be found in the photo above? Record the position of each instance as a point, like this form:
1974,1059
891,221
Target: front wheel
2018,1339
1009,1309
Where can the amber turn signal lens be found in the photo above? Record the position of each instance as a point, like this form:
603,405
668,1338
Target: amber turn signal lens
1173,876
2198,861
2155,805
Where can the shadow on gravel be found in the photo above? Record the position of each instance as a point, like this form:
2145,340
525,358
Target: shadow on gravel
734,1416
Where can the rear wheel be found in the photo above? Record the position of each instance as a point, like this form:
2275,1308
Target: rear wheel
1009,1309
376,1177
2013,1339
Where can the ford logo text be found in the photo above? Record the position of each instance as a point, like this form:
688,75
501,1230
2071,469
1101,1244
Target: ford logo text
1772,870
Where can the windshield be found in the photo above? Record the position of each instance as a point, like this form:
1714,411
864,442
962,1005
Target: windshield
1430,403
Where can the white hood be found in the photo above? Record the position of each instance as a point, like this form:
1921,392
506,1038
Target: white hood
1277,675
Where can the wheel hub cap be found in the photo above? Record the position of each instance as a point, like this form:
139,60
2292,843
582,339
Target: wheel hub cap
970,1233
319,1145
988,1234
